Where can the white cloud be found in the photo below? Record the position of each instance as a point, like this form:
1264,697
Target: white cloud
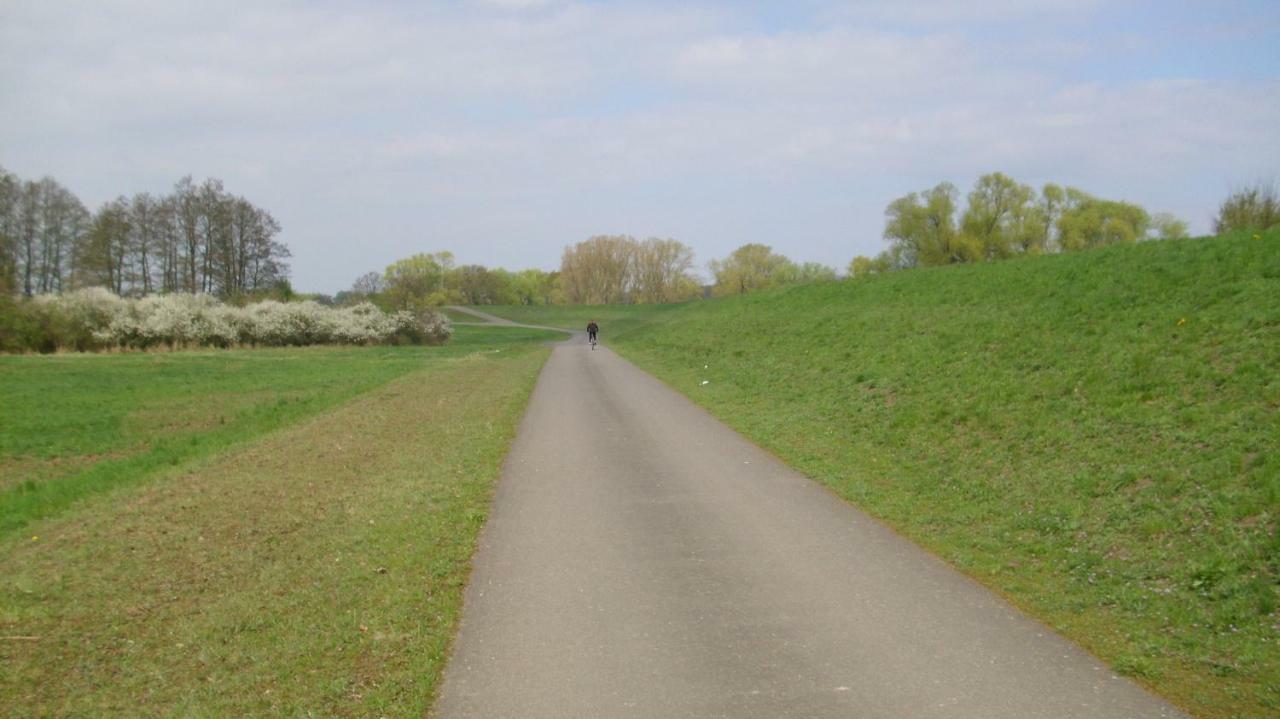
505,130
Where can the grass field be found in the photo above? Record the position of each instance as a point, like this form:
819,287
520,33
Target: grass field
613,319
455,316
1096,436
280,532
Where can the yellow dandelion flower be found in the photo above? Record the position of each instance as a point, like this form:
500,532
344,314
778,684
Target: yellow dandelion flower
34,537
1182,321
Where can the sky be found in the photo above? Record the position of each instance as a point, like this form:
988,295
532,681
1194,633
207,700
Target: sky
504,130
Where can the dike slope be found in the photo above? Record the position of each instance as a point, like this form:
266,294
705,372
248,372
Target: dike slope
1095,436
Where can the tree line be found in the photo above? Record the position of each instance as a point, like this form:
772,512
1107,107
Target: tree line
1005,218
197,239
1002,218
605,269
201,239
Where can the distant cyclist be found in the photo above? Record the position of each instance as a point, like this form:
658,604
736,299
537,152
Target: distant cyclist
592,329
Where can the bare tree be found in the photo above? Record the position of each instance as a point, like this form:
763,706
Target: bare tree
198,239
28,235
144,223
368,284
663,271
102,258
599,270
10,193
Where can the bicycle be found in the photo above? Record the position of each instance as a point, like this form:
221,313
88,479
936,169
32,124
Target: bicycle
592,339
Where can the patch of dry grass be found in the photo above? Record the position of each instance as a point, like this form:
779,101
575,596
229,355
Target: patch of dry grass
317,571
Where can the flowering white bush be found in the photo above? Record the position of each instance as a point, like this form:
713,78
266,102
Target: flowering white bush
94,318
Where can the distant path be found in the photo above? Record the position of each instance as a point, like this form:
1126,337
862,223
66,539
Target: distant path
643,560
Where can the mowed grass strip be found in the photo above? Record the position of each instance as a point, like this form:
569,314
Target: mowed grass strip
314,572
75,425
1096,436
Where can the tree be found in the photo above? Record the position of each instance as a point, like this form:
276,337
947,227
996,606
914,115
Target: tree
417,283
144,220
247,258
1250,208
663,272
28,235
861,266
478,285
814,272
369,284
1003,218
1048,211
198,239
749,268
1165,226
10,192
102,260
922,229
1087,222
598,271
532,287
62,223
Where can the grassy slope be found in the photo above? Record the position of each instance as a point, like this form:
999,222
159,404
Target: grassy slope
1096,436
315,569
613,319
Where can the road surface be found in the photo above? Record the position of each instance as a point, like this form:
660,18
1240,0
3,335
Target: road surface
644,560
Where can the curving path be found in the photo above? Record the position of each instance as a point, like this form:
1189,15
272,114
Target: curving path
643,560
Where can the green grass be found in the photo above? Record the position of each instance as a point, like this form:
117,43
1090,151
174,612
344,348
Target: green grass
1096,436
455,316
614,320
314,568
73,425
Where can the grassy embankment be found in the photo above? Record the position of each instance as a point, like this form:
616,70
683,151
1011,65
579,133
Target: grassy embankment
455,316
248,532
614,320
1096,436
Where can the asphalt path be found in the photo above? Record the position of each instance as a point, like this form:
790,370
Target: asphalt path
644,560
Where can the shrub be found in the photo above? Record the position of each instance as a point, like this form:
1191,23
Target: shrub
1251,208
95,319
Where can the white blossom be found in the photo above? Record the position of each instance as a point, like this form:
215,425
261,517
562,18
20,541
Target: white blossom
95,318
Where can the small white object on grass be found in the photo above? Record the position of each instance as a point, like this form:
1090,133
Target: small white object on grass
706,381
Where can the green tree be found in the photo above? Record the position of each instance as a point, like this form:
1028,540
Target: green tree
921,229
1250,208
815,272
1048,211
417,283
530,287
479,285
1001,217
1165,226
861,266
749,268
1087,222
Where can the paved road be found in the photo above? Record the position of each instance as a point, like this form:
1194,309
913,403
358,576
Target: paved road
643,560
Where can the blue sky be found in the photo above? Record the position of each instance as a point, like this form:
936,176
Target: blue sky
503,130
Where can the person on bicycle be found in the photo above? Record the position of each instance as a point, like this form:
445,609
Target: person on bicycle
592,329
